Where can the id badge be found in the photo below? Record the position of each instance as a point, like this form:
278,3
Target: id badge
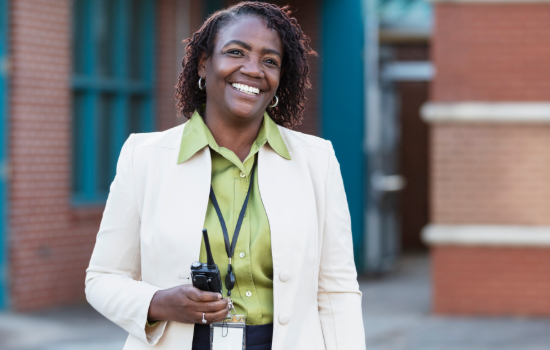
229,334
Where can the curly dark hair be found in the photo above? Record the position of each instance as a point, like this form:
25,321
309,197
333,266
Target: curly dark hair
293,82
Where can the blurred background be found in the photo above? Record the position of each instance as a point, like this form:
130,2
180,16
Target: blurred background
439,113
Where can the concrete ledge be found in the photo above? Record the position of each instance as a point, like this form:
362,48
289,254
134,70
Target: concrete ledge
487,235
486,112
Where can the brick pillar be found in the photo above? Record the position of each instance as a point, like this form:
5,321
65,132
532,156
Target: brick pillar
167,47
308,14
50,243
490,158
175,20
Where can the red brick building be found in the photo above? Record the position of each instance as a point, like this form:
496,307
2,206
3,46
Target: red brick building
490,149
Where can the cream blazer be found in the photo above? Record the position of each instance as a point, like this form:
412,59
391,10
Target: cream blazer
151,233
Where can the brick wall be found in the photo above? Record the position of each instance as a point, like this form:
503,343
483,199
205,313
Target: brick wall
491,174
166,63
492,52
50,243
495,174
491,281
308,15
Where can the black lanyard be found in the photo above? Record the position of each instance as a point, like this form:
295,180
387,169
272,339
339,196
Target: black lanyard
230,249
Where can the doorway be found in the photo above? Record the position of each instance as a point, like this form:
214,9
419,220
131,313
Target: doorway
397,139
398,156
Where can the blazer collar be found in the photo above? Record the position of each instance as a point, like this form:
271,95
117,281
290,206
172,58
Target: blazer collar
196,136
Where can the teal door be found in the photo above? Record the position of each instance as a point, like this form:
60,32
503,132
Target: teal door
343,103
3,151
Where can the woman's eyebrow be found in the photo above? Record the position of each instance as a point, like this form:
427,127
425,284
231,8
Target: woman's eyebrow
248,47
273,52
238,42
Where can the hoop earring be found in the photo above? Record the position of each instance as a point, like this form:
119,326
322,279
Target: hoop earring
201,86
276,102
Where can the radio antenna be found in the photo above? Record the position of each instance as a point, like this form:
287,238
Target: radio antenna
209,258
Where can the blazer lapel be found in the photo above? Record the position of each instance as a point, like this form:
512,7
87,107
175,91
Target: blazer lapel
184,190
289,201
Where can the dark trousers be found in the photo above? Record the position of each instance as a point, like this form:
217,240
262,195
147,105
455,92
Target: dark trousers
257,337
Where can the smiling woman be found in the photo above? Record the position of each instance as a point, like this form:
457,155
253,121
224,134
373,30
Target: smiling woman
242,74
278,41
272,195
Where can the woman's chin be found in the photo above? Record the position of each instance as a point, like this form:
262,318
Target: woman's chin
245,112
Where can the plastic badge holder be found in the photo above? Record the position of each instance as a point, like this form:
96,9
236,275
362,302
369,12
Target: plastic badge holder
229,334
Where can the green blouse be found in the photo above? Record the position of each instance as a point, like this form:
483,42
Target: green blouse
252,261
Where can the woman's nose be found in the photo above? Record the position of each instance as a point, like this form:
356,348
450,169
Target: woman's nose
253,68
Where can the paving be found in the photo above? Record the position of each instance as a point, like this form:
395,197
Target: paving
397,316
396,312
71,328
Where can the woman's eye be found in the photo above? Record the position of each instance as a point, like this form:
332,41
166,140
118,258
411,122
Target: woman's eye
271,61
234,52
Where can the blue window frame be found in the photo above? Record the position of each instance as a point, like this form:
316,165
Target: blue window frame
113,87
3,153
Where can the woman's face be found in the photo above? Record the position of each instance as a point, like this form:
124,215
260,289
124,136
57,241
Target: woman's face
242,74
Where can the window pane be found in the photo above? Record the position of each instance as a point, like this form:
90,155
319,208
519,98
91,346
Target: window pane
104,34
78,142
112,43
105,136
138,40
138,112
79,32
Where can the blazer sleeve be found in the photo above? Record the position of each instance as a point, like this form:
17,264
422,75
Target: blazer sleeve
339,297
113,279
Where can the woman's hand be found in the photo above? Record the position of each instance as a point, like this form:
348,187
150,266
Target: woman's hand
186,304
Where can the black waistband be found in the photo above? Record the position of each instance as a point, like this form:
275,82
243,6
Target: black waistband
257,337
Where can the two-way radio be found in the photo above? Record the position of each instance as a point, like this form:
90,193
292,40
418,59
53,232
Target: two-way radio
207,276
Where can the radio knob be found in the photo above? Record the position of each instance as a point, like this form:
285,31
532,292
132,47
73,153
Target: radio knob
196,265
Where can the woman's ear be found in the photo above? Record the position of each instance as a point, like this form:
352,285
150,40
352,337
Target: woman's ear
202,64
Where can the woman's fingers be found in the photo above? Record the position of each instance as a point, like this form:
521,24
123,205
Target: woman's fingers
186,304
199,295
213,317
213,306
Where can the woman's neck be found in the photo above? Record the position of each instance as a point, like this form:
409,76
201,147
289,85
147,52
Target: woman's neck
234,135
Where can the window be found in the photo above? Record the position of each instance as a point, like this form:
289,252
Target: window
113,85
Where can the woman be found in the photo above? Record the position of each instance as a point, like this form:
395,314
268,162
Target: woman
243,81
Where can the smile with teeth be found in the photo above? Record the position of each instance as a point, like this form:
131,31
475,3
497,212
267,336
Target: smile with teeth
246,89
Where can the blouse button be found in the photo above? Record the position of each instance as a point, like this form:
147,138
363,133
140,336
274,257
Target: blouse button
243,174
248,293
242,255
